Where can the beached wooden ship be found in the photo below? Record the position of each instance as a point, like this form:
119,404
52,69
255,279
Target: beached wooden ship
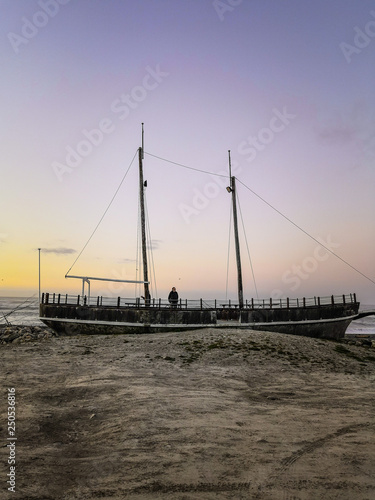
321,317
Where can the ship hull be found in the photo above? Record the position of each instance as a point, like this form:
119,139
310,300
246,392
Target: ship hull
322,321
334,329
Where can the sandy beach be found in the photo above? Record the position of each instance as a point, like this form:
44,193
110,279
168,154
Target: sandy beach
195,415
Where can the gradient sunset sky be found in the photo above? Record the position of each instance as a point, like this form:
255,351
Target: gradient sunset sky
287,86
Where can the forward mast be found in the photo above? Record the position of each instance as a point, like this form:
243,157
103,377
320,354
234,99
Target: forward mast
142,185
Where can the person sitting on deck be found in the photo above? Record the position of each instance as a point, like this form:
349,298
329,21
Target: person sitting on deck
173,297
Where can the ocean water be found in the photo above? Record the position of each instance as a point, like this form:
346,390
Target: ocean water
24,311
19,310
364,325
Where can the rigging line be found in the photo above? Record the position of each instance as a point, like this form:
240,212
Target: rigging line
230,232
247,246
185,166
5,316
307,234
137,286
148,229
148,245
19,306
151,253
155,287
102,217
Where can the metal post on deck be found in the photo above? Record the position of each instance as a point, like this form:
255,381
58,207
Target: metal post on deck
84,299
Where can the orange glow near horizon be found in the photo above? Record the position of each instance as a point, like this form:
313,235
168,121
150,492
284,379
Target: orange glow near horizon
187,272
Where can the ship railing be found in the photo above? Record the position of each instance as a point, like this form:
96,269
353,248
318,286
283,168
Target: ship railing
140,302
287,303
136,302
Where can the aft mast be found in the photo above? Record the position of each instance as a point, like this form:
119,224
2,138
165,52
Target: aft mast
232,189
143,224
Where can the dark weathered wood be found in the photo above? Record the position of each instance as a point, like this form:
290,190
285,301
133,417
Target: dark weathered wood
143,227
326,321
237,243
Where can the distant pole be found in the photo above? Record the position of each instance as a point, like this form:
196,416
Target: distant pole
39,249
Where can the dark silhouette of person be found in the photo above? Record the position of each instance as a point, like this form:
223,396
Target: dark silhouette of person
173,297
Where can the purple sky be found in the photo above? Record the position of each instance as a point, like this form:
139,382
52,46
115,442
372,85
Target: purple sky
287,86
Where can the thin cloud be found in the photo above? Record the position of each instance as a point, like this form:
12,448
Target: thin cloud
3,237
155,244
338,135
345,127
59,250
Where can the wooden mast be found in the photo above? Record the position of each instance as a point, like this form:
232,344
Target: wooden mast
143,224
232,190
